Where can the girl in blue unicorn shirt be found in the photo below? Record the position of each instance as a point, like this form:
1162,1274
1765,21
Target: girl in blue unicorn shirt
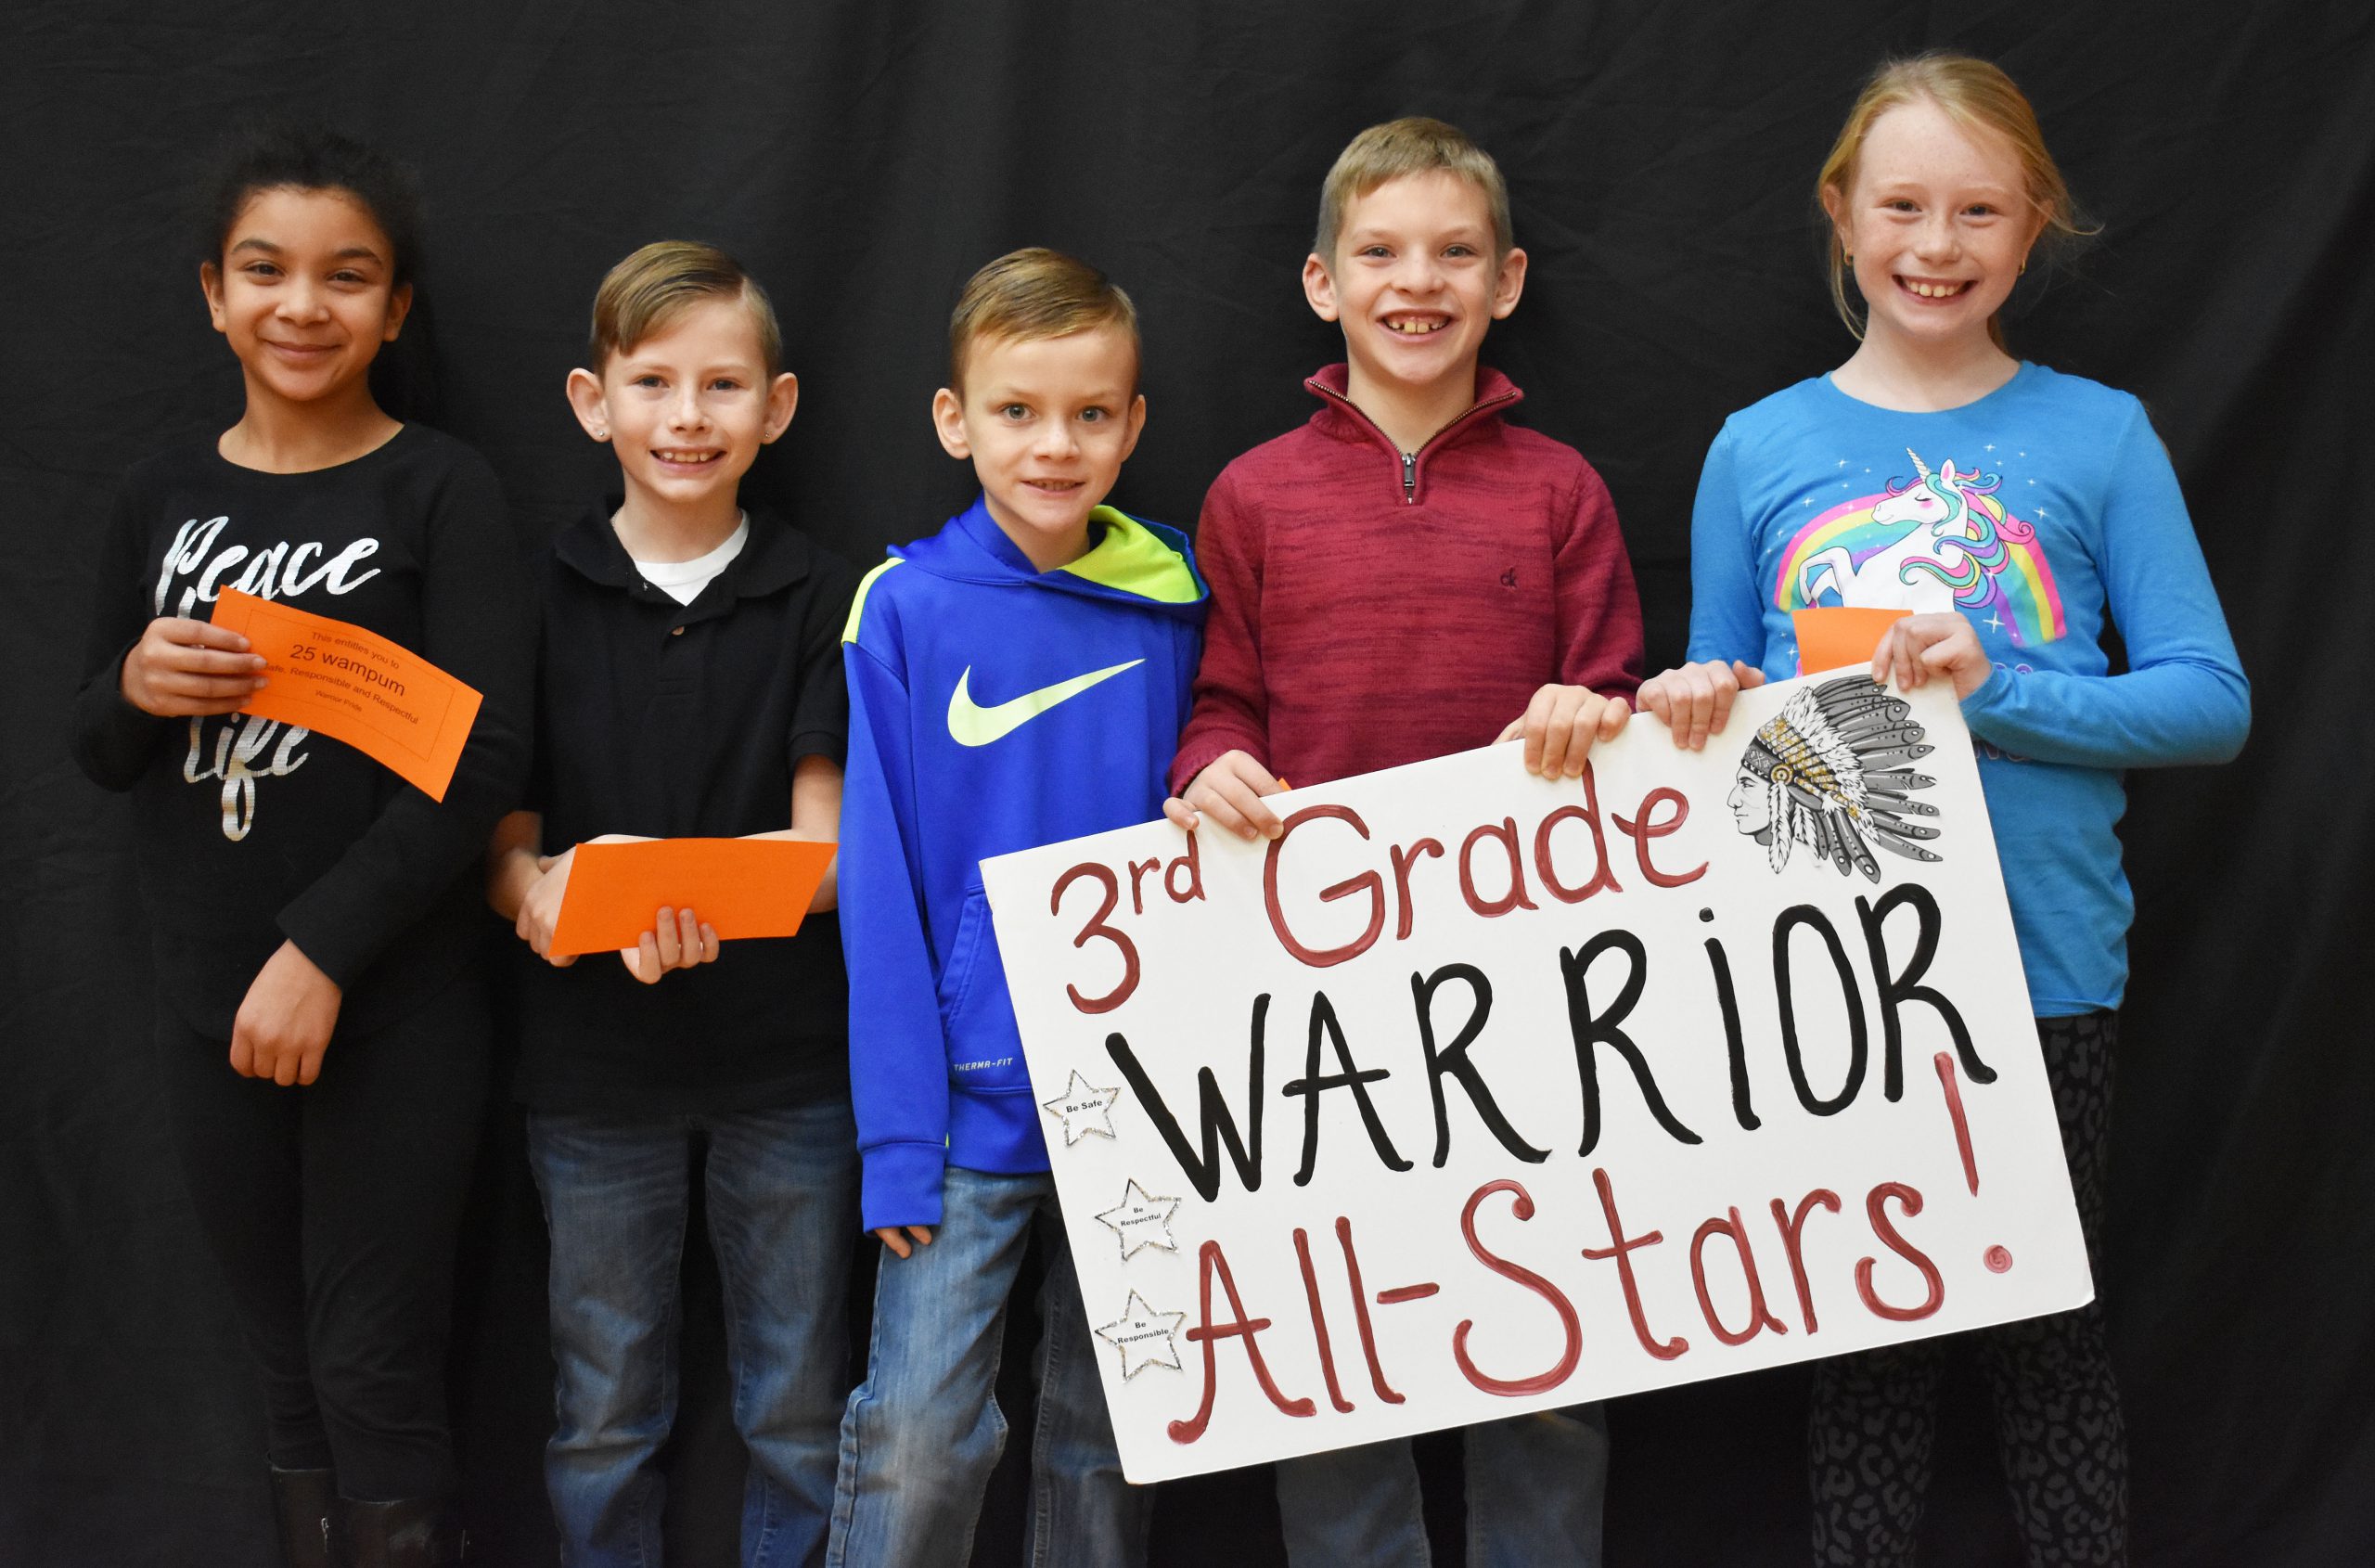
2014,512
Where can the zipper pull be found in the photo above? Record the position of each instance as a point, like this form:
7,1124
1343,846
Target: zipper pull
1409,478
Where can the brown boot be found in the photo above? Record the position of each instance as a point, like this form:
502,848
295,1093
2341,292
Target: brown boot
301,1501
409,1532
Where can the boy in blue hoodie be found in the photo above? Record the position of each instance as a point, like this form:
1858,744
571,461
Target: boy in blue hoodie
1017,678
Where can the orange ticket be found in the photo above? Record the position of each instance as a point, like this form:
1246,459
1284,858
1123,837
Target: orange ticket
339,680
1833,636
737,887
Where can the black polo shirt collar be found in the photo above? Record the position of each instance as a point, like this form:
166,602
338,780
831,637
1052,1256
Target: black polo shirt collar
772,559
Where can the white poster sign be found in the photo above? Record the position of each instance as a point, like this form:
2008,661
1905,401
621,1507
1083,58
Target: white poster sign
1476,1093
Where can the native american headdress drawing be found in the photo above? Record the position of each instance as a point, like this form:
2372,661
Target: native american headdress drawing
1834,767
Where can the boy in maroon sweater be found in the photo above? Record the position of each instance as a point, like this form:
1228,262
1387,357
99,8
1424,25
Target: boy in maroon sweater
1390,583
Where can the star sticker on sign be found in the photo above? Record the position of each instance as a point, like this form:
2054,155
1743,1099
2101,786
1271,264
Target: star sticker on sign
1145,1337
1141,1221
1083,1110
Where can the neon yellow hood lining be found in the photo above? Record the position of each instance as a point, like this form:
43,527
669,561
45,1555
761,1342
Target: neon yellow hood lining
1130,560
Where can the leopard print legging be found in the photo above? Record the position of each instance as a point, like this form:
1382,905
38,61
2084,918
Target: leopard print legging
2058,1426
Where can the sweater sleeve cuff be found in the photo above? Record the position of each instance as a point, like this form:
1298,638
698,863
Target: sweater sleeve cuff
1988,696
340,941
1189,763
901,1185
1200,751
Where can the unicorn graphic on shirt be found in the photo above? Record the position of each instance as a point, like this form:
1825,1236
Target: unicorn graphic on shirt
1940,542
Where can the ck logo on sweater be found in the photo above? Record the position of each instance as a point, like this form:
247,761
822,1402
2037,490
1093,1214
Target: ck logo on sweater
973,725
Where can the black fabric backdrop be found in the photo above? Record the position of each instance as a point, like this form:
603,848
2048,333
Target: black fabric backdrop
863,158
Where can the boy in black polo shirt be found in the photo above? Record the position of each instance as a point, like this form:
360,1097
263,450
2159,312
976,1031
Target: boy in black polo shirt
690,685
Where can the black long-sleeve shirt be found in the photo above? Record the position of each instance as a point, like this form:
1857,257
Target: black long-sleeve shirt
248,830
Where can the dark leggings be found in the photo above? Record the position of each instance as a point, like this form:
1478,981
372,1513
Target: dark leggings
332,1211
2058,1425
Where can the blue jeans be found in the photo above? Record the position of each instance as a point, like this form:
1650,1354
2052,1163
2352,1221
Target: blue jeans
924,1431
1536,1486
781,1186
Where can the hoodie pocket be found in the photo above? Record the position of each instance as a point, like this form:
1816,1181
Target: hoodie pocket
984,1048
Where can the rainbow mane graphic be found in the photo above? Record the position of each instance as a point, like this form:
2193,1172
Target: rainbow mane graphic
1942,541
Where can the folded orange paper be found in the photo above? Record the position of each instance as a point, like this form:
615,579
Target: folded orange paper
339,680
1835,635
737,887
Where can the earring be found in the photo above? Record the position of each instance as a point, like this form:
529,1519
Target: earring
2025,266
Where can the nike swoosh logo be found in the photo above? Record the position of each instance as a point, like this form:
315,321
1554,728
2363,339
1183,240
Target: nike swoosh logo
973,725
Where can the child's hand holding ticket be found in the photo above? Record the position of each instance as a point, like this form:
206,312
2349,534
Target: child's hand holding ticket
741,887
339,680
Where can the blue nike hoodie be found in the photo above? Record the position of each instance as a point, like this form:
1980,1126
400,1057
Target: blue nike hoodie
993,708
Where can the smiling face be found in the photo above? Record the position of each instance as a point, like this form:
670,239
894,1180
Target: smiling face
1415,282
687,410
305,294
1046,422
1939,223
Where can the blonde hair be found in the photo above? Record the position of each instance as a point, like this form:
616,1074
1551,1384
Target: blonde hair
1413,144
1034,293
651,288
1975,94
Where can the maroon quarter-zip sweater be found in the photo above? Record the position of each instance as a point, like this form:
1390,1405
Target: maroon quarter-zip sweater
1372,607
